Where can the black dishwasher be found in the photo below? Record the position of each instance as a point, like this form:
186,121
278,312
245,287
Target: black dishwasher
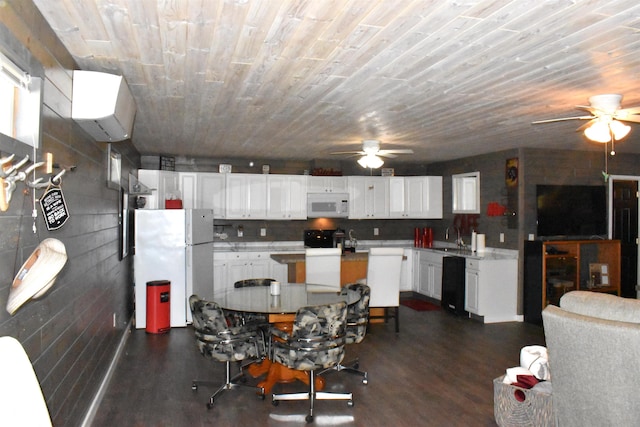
453,284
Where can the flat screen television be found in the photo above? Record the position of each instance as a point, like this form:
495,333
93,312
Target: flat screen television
571,211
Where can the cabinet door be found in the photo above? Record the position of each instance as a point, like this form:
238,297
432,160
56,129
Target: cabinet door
297,196
437,281
397,197
425,284
220,274
423,197
246,196
257,198
287,197
406,271
211,193
327,184
472,291
187,182
368,197
466,193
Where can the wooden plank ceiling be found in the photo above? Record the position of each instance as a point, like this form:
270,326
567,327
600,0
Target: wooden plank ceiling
299,79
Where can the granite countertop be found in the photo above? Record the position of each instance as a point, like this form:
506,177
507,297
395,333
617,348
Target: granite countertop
295,249
292,258
489,254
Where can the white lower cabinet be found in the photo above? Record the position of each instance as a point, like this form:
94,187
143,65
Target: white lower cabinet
491,289
406,271
230,267
429,274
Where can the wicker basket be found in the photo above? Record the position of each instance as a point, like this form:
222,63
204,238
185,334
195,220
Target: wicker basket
515,406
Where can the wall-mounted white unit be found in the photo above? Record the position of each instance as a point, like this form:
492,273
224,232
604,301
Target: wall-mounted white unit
103,105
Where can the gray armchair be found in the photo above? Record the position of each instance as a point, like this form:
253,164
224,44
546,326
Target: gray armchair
316,342
593,340
357,321
218,341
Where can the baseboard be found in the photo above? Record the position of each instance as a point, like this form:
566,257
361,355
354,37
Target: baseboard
95,403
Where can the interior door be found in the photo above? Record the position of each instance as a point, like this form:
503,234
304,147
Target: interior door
625,229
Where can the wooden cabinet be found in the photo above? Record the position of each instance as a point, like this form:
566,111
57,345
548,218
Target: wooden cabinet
553,268
368,197
415,197
286,197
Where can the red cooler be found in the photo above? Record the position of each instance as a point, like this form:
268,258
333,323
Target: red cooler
158,306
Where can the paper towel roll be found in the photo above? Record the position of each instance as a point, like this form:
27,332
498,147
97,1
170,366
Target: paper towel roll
480,242
474,241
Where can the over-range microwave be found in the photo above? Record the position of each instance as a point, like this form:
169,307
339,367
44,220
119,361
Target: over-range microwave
327,205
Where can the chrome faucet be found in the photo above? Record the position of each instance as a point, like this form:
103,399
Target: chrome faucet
459,241
446,234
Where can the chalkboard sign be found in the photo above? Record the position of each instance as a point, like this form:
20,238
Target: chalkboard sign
54,208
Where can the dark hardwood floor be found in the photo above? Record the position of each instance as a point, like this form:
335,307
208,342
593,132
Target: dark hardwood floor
437,371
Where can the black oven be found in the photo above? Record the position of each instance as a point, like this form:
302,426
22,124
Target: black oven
318,238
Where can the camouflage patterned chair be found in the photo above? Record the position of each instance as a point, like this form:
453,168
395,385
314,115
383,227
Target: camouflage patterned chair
357,321
220,342
316,342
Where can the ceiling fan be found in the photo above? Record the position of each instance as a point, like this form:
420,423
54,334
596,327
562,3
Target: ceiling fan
605,119
371,153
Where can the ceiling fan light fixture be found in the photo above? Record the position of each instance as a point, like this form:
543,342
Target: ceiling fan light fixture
370,161
619,129
602,131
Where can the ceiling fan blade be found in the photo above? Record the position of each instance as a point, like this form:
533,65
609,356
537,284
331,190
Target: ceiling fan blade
563,119
349,152
586,125
588,108
399,151
384,153
635,118
628,111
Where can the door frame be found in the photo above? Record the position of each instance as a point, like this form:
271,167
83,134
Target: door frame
610,215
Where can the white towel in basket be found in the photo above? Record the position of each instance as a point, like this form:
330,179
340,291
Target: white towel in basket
535,359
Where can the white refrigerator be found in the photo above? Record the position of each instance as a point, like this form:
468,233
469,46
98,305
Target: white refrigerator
174,245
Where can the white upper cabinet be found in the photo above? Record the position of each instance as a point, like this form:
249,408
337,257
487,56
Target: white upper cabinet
187,182
246,196
327,184
203,190
164,185
466,193
211,193
287,197
368,197
415,197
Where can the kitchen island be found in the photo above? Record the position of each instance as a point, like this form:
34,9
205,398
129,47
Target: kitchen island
353,266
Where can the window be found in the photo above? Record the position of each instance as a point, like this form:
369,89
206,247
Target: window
19,103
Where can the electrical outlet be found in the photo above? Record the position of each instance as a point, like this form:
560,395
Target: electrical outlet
240,231
501,237
376,231
531,237
263,232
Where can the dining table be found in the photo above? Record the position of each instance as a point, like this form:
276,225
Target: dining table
280,310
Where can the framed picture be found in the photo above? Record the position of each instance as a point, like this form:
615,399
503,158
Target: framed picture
511,172
114,168
598,275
